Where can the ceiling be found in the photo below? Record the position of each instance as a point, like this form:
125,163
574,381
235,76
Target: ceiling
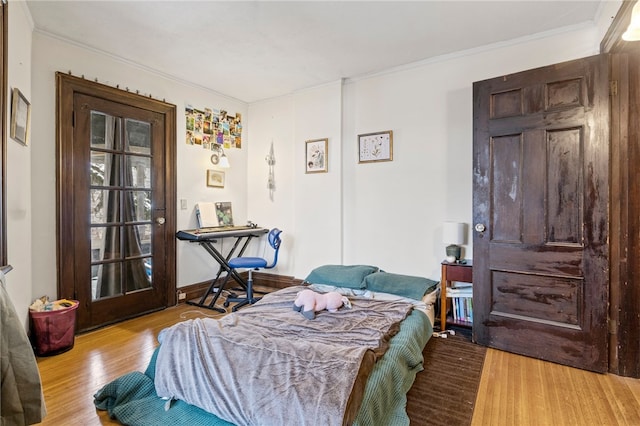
255,50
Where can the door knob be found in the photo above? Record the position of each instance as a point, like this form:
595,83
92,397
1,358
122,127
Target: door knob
160,221
480,227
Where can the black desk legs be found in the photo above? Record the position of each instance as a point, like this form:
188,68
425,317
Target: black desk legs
223,261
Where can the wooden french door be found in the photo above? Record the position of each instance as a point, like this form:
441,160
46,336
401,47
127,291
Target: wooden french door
116,220
540,210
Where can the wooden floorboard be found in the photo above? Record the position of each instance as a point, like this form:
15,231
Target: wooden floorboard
514,390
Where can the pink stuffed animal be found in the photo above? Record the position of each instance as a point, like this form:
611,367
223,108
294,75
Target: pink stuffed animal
308,302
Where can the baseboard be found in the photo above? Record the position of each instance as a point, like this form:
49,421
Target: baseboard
194,291
274,280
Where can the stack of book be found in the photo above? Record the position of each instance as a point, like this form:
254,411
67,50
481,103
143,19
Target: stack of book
461,303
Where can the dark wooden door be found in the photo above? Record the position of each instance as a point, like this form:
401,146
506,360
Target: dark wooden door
115,237
540,210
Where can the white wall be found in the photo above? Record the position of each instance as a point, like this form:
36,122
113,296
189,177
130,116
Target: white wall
272,210
289,122
318,196
390,214
18,163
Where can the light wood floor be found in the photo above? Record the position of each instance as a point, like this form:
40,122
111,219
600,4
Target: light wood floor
514,390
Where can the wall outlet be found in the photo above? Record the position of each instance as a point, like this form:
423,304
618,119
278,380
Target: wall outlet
181,295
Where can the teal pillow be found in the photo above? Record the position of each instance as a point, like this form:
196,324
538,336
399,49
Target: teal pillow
350,276
401,285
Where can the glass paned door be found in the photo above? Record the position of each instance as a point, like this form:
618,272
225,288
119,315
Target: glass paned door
116,201
120,205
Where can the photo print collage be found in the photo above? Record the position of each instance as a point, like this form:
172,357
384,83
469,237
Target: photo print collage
212,126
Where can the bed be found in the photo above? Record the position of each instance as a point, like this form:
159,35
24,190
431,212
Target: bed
269,365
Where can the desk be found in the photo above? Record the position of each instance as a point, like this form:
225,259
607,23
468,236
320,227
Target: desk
207,237
461,272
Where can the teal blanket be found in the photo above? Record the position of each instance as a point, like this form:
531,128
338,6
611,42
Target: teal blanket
132,400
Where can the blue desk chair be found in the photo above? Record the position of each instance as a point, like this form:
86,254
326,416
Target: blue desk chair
253,263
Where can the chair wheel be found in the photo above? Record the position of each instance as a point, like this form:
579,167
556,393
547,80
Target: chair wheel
226,304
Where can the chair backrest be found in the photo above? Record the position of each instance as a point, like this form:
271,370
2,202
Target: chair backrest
274,241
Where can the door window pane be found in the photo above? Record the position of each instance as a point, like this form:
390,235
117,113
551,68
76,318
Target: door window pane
139,240
138,137
148,265
137,206
138,171
105,206
105,169
105,243
105,131
106,280
136,276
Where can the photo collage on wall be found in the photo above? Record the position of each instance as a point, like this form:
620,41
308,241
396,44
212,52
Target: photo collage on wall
212,126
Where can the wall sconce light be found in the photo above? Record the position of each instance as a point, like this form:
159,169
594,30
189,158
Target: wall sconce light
453,234
219,158
633,30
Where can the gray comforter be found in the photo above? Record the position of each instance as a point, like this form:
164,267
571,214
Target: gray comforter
268,365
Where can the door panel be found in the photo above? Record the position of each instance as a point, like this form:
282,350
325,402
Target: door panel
115,208
541,190
114,190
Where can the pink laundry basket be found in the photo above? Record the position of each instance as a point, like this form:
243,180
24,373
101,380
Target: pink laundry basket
53,332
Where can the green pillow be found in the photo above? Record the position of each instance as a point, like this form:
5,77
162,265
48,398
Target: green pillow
350,276
401,285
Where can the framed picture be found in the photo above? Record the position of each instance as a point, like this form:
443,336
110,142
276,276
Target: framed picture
20,117
373,147
215,178
316,158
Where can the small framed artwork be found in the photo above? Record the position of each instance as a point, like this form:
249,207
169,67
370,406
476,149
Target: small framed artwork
373,147
316,158
215,178
20,117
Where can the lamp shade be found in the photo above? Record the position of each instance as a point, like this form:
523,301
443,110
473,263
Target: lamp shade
224,161
453,233
219,158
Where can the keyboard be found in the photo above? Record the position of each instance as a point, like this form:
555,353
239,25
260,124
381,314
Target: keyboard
221,229
219,232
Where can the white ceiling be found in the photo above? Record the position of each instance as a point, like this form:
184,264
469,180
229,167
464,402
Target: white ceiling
254,50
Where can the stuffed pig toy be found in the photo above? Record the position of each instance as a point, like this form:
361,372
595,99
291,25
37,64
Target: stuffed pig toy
308,302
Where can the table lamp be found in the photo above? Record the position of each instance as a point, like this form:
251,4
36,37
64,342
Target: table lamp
453,234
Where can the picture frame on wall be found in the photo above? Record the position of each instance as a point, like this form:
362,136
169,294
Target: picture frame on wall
215,178
20,117
317,155
375,147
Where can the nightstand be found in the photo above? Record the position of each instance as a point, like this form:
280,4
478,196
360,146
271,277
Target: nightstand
460,272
